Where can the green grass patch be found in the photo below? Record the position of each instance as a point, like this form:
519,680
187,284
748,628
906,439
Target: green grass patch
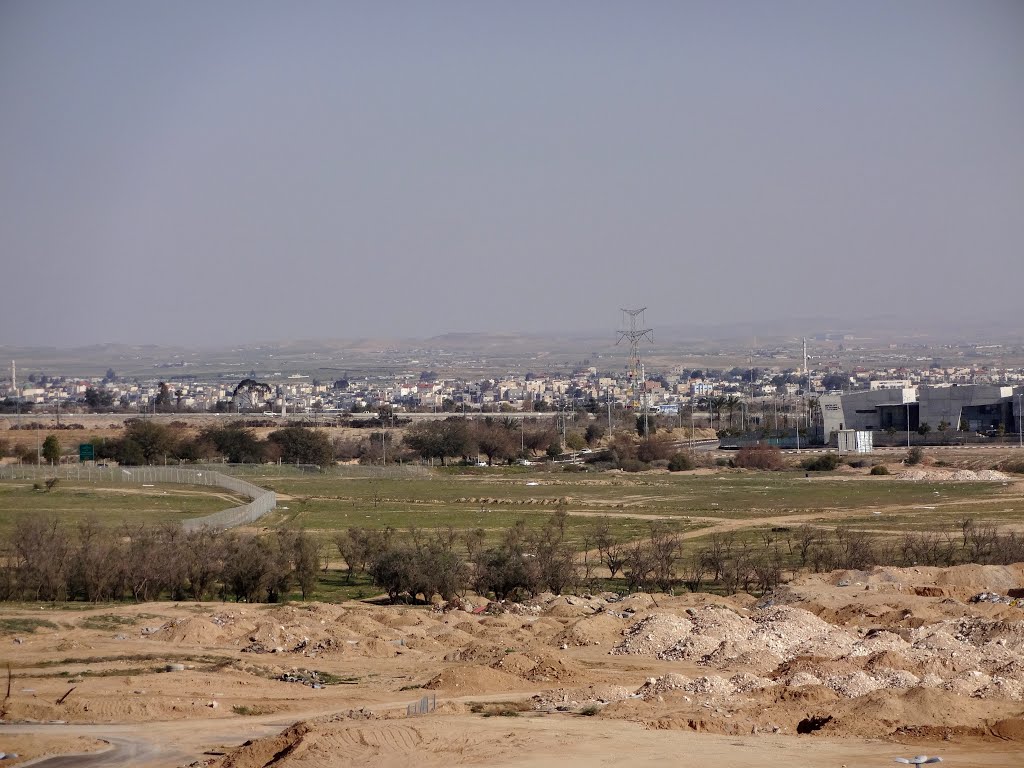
15,626
112,621
207,659
248,711
500,708
75,501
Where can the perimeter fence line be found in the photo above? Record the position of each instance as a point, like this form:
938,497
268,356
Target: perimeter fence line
424,706
340,471
262,500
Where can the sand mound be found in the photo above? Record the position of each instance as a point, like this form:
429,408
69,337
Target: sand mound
473,679
918,706
933,475
653,634
192,630
1011,729
602,629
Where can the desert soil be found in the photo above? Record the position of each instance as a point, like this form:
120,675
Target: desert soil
900,659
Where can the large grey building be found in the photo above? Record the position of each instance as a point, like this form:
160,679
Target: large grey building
979,407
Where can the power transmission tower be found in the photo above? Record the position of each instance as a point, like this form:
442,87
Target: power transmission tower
635,334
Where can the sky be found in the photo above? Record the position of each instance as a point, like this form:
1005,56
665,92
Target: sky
207,173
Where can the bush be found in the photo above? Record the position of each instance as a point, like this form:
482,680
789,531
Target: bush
824,463
680,462
632,465
914,456
759,457
654,449
879,469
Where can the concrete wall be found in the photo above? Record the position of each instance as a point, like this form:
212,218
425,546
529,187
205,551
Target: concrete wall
985,406
860,410
984,402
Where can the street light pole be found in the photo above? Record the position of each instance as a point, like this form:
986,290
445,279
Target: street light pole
1020,420
691,423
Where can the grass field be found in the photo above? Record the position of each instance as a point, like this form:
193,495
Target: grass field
111,505
696,504
325,501
494,499
741,503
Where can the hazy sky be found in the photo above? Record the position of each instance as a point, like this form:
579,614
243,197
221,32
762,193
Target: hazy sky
211,172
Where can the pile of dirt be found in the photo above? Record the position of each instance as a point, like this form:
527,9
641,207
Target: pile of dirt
263,752
192,630
932,475
474,679
652,634
602,629
574,698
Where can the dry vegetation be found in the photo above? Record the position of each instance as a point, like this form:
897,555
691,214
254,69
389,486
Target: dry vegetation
740,602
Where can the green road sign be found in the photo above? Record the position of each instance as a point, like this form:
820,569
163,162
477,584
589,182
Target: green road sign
86,452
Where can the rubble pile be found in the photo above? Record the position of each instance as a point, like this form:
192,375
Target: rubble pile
932,475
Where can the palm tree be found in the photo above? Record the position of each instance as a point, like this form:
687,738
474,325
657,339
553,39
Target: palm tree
716,404
732,402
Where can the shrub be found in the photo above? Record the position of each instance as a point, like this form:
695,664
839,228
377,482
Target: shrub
680,462
244,709
880,469
824,463
914,456
759,457
632,465
654,449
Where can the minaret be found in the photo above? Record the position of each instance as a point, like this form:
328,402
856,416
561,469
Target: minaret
14,379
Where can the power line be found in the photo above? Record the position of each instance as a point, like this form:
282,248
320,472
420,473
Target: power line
635,334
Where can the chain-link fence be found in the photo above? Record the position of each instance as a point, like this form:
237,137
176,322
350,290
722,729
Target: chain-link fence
262,500
341,471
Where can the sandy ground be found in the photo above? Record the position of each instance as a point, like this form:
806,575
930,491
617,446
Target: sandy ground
900,659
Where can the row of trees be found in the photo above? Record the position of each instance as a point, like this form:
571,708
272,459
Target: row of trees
499,439
447,563
49,560
150,442
735,562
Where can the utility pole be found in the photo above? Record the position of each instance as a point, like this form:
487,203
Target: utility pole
609,397
643,377
14,388
635,334
692,433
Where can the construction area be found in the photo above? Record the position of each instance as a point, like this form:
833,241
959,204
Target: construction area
851,667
